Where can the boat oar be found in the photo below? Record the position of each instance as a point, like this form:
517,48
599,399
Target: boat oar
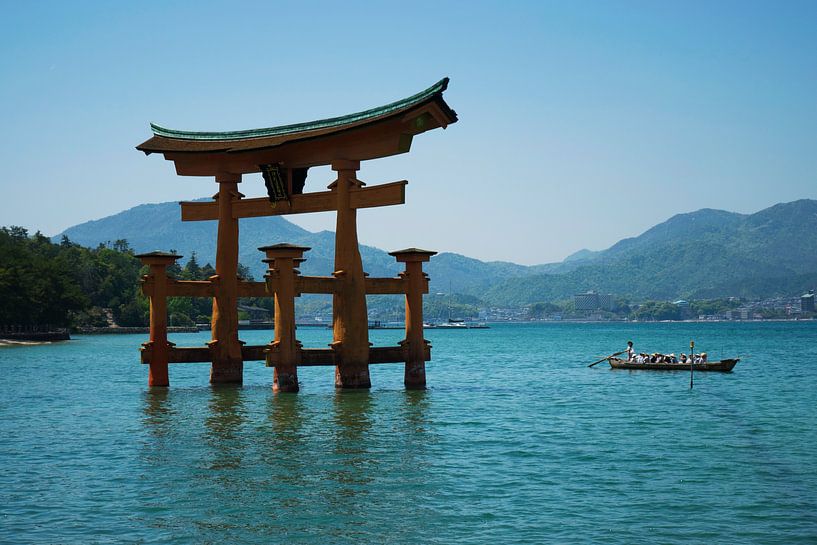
607,358
692,363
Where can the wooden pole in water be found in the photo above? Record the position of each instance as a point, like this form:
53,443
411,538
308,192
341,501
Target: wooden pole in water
283,260
225,348
414,344
692,364
350,319
155,286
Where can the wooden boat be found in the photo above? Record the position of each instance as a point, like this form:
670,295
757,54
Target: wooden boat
724,366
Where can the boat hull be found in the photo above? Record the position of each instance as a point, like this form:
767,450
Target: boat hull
723,366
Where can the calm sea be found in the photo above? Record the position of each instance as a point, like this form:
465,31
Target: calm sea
516,441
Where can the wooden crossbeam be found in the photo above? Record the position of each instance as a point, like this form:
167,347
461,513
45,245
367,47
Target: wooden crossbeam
204,288
387,286
253,289
190,288
304,284
309,356
316,284
393,193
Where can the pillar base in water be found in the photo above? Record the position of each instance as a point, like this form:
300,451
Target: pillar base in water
415,376
158,376
285,381
227,372
352,377
226,368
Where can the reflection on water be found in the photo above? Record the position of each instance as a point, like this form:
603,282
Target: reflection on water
353,462
415,408
158,420
157,410
286,416
224,434
284,447
339,465
351,417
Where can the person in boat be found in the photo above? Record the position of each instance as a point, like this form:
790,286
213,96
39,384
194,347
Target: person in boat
630,351
673,359
683,358
703,357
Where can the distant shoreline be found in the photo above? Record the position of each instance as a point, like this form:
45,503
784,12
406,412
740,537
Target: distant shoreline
580,321
34,337
193,329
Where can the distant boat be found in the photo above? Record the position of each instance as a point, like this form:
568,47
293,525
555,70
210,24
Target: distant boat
457,324
723,366
454,323
377,324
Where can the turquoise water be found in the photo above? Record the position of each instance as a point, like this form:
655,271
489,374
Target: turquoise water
516,441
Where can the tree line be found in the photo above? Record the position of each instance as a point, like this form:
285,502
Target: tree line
68,285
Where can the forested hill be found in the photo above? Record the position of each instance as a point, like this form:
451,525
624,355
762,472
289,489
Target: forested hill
703,254
159,227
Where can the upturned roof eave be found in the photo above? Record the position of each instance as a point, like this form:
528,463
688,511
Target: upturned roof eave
169,140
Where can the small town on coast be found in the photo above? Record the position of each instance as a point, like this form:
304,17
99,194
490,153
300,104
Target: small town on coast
595,307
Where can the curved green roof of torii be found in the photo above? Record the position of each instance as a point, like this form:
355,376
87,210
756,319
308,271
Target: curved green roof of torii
370,134
332,122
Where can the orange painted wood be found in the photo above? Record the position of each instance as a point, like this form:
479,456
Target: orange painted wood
415,344
282,260
158,374
383,139
383,286
227,360
253,289
190,288
317,284
390,194
309,356
305,203
199,211
350,332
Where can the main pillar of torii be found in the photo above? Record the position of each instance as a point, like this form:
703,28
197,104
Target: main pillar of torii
283,155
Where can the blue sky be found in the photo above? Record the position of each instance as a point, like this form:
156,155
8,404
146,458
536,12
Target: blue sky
581,123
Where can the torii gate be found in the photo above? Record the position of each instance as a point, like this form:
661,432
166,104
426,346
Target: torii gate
283,155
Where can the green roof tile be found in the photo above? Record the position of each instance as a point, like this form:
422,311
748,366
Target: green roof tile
283,130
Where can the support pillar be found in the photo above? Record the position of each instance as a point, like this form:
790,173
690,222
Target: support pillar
283,260
350,318
155,286
225,348
415,344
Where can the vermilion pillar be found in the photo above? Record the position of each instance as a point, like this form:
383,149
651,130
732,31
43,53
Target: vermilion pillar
155,286
283,260
414,344
225,348
351,321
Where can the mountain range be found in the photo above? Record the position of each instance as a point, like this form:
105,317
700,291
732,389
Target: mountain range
703,254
